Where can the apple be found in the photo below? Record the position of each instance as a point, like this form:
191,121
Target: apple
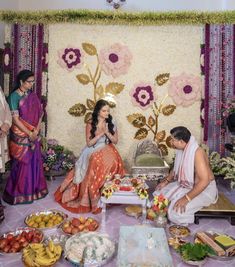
75,222
81,227
25,244
66,224
6,249
3,243
75,231
68,230
82,220
16,245
10,237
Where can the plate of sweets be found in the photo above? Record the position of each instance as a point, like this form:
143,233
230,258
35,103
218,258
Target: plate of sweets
45,219
222,244
15,241
80,224
91,249
179,231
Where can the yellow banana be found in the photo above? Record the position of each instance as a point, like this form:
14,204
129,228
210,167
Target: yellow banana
49,253
45,261
51,245
58,251
36,246
28,260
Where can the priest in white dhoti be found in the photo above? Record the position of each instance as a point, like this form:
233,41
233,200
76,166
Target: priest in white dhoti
190,185
5,124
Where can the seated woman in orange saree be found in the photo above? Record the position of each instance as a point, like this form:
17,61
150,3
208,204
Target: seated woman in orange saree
80,191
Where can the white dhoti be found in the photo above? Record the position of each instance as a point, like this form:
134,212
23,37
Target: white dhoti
174,192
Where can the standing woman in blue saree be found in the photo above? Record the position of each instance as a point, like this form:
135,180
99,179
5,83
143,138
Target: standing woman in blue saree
26,182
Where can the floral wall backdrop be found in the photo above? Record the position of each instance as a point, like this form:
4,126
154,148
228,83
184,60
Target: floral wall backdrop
147,52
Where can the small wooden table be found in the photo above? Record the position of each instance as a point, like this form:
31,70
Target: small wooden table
123,197
223,208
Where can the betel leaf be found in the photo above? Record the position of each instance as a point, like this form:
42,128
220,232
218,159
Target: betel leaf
195,252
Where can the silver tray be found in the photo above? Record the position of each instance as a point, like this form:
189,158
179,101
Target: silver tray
17,232
90,263
216,257
46,212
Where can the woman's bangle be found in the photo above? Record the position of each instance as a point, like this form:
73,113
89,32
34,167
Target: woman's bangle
188,198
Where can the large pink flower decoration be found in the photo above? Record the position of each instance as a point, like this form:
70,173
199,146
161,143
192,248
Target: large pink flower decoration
115,60
185,89
70,58
142,95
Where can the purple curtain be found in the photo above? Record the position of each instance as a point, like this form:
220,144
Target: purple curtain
28,49
219,71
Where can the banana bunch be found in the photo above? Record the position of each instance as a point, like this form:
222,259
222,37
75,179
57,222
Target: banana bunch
37,255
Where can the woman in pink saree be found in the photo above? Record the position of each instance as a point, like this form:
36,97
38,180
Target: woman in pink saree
26,182
80,191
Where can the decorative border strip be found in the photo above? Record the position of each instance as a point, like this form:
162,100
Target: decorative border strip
117,17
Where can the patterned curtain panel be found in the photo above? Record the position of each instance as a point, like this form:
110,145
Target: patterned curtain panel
219,76
26,47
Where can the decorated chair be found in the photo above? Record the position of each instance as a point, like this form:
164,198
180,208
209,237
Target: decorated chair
148,161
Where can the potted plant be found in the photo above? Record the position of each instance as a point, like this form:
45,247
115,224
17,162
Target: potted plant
57,160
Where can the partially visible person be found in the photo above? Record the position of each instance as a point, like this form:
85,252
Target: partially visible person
190,185
80,191
26,182
5,124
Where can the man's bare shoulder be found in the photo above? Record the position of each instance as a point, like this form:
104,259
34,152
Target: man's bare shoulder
200,154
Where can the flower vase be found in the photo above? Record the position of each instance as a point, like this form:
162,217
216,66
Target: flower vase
161,220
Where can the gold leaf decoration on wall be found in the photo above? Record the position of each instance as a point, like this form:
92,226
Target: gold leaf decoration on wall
100,90
77,110
151,121
160,136
87,117
163,149
89,49
168,141
141,133
137,120
83,78
93,76
90,104
162,78
151,125
168,110
114,88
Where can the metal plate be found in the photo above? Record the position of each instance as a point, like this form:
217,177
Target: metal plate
86,262
179,231
46,212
